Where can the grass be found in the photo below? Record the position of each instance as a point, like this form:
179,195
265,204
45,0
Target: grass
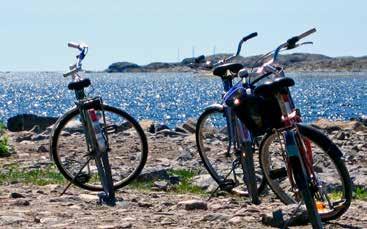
41,177
184,186
4,147
360,193
2,127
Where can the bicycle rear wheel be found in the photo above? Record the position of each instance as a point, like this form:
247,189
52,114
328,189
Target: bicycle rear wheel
127,153
217,153
335,192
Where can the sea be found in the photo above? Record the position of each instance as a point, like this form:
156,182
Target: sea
172,98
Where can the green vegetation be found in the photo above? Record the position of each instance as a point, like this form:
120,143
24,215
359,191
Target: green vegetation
184,186
48,175
2,127
4,148
360,193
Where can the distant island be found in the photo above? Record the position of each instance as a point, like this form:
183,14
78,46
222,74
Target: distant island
296,62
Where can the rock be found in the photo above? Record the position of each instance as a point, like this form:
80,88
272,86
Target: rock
147,125
190,125
9,220
170,133
161,185
154,173
16,195
215,216
39,137
20,202
193,205
123,67
299,218
331,126
42,149
145,204
235,220
23,122
340,135
160,127
204,181
180,129
88,197
185,155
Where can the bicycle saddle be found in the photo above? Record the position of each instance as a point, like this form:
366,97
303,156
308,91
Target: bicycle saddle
221,70
79,85
271,87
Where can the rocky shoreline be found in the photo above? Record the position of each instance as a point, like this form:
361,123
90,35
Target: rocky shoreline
30,205
296,62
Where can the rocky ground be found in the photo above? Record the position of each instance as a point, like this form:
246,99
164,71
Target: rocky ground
24,204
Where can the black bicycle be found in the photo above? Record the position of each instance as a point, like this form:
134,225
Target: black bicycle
95,146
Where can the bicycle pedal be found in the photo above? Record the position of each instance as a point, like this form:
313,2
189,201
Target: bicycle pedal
278,173
83,178
228,185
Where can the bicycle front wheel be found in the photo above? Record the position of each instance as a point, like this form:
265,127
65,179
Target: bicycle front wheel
128,148
334,194
217,152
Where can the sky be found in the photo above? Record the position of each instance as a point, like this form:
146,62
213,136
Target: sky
34,33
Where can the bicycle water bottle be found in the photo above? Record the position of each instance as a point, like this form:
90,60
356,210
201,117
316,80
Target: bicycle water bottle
101,141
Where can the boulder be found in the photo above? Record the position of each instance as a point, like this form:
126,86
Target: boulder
331,126
193,205
28,121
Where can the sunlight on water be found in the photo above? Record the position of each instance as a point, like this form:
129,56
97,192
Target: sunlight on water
173,97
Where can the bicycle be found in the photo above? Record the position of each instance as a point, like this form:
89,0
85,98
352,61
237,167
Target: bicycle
95,146
225,145
299,152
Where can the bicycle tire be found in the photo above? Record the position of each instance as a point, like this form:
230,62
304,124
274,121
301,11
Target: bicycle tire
68,117
328,150
218,178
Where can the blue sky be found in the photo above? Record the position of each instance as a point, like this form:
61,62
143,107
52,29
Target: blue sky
34,33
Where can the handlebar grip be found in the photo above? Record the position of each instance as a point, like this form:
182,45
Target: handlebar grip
305,34
75,70
248,37
74,45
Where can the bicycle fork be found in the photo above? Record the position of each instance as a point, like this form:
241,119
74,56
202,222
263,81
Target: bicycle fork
247,161
299,174
101,158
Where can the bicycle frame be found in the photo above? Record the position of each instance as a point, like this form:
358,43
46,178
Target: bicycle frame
240,138
84,104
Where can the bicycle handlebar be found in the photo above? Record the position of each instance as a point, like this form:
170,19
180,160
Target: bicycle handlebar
83,48
243,40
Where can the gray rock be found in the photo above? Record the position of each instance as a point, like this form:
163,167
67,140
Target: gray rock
28,121
299,218
154,173
20,202
8,220
190,125
203,181
16,195
185,155
42,149
193,205
340,136
161,185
